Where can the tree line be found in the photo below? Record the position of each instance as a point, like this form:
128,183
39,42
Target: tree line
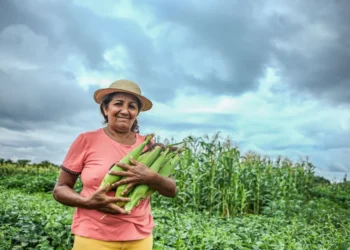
25,162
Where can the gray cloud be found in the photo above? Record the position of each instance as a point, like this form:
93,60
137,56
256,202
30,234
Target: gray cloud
246,41
241,42
37,84
61,30
315,55
39,96
78,30
311,48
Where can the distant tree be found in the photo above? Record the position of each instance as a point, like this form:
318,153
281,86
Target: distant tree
9,161
45,164
22,162
2,161
321,180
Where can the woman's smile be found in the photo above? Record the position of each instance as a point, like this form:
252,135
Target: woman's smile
123,119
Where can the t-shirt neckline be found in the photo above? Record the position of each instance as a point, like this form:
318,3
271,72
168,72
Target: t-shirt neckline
118,143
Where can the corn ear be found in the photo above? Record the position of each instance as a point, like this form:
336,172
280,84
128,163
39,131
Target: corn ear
135,153
143,156
140,190
165,171
169,156
148,160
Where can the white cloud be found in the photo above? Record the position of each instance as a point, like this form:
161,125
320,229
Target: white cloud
119,60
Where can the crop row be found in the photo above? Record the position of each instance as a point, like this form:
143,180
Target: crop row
36,221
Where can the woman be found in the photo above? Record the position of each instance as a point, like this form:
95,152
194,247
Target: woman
98,223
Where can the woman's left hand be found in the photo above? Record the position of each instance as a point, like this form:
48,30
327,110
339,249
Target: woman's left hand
134,174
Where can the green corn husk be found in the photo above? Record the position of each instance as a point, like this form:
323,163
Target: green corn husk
165,171
140,190
143,156
169,156
135,153
147,160
167,159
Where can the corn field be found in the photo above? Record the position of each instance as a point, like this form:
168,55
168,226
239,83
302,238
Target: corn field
215,177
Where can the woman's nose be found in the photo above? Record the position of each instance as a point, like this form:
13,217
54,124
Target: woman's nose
124,110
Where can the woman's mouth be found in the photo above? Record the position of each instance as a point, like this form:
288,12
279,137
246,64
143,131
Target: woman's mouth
123,119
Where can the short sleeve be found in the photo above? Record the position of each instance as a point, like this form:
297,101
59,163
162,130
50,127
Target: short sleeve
74,161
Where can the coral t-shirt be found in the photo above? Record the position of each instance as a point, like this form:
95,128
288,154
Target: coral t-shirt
91,155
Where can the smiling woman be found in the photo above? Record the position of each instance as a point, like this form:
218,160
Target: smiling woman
90,156
120,111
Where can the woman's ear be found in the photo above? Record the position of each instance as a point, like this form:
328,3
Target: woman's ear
104,110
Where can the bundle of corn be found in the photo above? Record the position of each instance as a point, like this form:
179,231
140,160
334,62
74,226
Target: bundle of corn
161,159
164,166
110,179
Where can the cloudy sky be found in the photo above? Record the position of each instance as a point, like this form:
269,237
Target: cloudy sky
272,75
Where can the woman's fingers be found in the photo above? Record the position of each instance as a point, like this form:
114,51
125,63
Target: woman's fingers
157,144
123,165
128,188
117,199
149,146
105,210
133,161
118,209
120,173
136,164
103,189
124,181
110,206
173,149
113,210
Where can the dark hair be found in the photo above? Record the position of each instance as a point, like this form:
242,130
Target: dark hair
107,99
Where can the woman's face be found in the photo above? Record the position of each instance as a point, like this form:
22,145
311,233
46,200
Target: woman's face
122,111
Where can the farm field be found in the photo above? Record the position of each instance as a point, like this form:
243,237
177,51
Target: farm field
225,200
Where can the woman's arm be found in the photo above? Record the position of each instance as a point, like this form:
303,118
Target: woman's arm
64,193
164,186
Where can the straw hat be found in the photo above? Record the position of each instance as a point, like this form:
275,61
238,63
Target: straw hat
124,86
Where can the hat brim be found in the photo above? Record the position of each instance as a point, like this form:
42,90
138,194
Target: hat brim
146,104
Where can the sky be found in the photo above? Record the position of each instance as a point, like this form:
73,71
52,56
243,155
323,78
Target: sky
272,75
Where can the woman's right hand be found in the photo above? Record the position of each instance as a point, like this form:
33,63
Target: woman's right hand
104,203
